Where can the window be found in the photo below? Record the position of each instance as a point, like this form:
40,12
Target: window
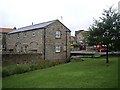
25,34
3,46
57,34
57,48
18,35
33,34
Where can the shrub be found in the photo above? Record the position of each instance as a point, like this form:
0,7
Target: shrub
42,64
53,63
22,68
5,72
32,67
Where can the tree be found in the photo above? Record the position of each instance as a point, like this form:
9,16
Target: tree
106,30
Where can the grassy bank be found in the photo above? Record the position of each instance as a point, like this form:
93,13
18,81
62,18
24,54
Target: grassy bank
90,73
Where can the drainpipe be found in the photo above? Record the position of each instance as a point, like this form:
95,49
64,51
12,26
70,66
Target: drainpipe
66,44
44,42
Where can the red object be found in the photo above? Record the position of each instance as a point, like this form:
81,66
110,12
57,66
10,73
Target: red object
83,47
100,48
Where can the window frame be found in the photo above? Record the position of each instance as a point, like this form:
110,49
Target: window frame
18,35
33,33
58,34
57,48
25,34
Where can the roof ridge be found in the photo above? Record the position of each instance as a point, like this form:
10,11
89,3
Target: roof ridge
35,26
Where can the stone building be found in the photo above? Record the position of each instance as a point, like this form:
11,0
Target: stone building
50,39
3,35
81,38
73,40
79,35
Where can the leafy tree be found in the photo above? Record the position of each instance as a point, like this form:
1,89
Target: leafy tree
106,30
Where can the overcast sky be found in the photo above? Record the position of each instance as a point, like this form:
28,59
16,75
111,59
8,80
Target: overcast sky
76,14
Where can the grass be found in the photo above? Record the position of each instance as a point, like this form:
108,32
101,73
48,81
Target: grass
90,73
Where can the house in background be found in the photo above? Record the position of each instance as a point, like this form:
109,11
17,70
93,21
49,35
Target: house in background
81,38
73,40
51,39
3,35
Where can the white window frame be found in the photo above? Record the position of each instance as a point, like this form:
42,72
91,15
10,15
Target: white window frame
58,34
57,48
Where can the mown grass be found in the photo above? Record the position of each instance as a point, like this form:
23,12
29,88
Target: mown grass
90,73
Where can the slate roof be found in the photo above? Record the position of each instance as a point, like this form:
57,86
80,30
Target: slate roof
77,32
32,27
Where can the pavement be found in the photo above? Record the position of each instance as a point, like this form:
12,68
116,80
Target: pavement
92,52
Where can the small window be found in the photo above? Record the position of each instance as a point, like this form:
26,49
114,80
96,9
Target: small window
25,34
3,46
33,34
57,48
58,34
18,35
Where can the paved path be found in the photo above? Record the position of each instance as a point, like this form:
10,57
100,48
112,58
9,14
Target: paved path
92,52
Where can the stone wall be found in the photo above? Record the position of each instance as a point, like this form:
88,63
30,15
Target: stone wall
26,42
41,41
51,41
20,58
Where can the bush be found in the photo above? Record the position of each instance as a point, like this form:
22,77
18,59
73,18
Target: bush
32,67
5,72
22,68
53,63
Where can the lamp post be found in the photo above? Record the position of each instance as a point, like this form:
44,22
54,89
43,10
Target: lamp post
107,43
107,53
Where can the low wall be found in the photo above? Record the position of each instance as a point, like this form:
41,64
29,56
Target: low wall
20,58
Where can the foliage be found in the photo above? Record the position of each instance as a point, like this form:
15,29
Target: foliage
15,69
106,30
92,73
76,45
5,72
22,68
85,34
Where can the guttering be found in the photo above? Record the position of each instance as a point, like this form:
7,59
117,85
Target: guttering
66,44
44,38
14,32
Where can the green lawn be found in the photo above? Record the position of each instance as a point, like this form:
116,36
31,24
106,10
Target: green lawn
90,73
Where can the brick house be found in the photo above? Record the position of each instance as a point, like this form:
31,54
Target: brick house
3,34
50,39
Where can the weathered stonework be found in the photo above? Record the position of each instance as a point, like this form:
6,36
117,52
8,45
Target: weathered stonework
41,41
